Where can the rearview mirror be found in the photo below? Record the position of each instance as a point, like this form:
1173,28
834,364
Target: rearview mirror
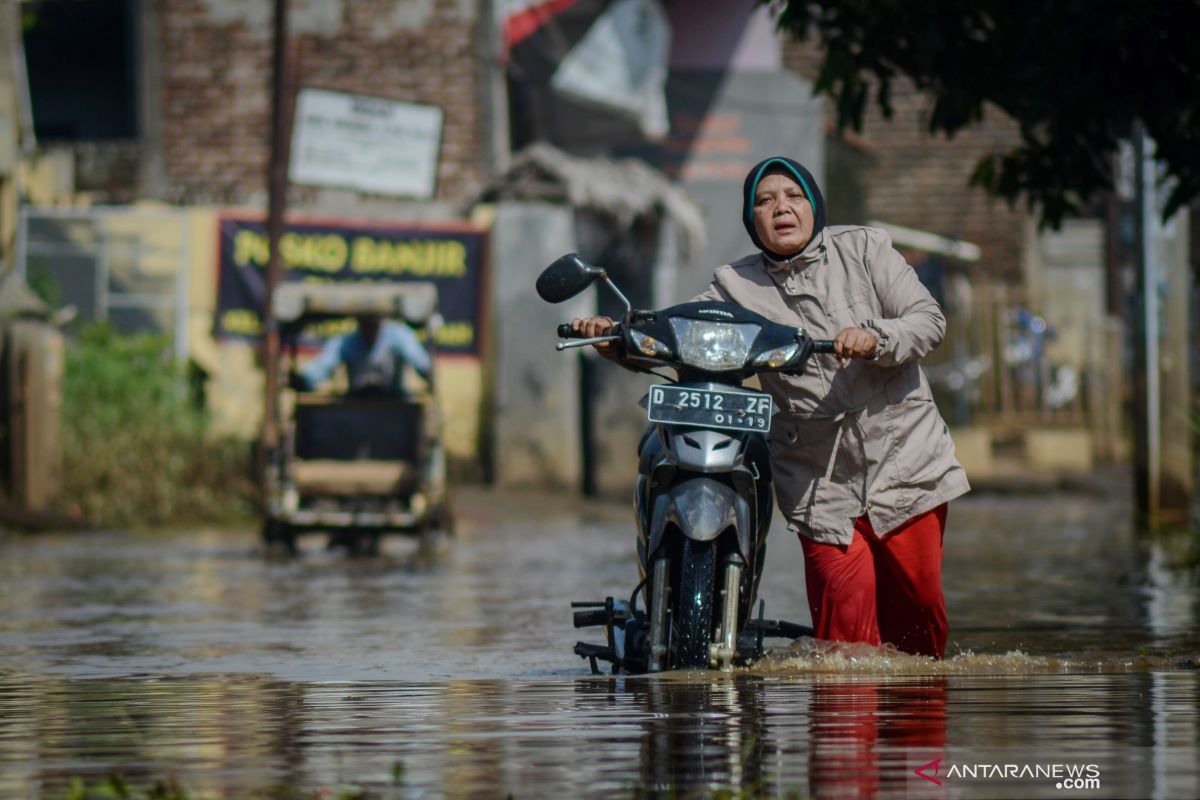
567,277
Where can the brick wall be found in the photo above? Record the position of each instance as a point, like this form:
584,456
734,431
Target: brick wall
919,180
216,74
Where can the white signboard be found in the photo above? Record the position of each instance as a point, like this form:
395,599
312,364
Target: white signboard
365,143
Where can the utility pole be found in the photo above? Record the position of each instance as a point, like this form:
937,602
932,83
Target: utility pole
1145,352
276,204
1161,402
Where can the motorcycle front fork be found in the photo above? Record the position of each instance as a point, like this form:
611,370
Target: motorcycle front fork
658,615
724,647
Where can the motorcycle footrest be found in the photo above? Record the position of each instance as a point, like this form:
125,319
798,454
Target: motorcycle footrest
780,628
749,648
585,650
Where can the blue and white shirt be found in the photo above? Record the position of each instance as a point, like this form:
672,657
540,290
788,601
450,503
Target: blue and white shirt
380,366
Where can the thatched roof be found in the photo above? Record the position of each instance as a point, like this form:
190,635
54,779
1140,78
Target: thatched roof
621,188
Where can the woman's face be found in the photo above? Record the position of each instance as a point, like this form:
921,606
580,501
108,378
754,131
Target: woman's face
783,217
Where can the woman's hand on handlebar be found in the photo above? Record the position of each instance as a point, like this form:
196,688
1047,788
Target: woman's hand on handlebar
855,343
596,326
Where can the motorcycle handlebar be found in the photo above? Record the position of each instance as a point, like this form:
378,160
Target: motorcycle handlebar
565,331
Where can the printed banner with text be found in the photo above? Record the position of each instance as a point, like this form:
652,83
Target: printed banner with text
452,257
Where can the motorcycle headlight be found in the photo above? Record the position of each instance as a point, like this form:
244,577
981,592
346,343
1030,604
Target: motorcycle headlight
713,346
648,345
776,358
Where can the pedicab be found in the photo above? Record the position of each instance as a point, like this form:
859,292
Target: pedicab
355,466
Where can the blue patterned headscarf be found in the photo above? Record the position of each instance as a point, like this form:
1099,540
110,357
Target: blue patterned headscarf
807,182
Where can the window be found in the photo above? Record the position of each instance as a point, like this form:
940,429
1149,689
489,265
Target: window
80,57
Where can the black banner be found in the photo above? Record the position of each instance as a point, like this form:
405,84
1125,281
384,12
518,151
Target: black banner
450,256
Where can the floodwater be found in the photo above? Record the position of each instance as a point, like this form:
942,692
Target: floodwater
190,659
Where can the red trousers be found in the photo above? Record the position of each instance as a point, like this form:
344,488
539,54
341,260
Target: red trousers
881,589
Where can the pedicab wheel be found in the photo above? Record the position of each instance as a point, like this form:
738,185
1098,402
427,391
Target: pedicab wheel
356,542
366,544
443,520
279,536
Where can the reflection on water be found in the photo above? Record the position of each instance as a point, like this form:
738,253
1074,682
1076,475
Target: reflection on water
450,674
672,735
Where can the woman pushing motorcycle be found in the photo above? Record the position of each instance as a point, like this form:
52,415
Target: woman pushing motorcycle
863,463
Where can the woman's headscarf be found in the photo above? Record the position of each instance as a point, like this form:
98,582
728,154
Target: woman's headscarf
807,182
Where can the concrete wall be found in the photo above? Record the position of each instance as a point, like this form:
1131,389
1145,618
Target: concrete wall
536,437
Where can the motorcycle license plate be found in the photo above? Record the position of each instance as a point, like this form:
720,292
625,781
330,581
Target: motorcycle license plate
710,408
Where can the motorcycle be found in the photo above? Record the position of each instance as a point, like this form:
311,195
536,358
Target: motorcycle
703,496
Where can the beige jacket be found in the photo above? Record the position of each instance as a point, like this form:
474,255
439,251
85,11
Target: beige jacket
864,438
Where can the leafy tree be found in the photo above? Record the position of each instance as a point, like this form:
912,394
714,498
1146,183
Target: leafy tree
1074,74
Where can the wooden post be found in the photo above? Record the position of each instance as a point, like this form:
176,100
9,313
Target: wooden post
276,204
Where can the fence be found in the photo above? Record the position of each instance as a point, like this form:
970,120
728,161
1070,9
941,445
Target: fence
127,266
997,368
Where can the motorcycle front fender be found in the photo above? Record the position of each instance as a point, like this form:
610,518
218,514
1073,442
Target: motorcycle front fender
701,508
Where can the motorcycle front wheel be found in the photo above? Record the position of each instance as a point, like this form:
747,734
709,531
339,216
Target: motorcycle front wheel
691,617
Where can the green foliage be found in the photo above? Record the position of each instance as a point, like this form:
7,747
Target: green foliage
135,446
1075,77
43,284
752,792
114,787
